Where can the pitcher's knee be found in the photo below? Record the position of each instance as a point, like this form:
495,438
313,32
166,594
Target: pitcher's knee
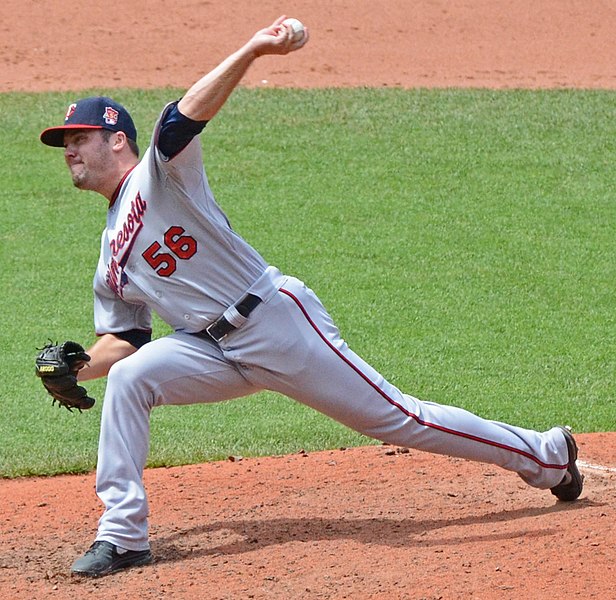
126,378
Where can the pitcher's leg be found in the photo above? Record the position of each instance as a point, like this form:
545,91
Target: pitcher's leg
322,372
361,399
178,369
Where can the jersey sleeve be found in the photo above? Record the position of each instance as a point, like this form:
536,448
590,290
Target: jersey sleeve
114,315
183,172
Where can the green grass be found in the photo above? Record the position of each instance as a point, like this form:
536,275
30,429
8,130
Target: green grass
464,241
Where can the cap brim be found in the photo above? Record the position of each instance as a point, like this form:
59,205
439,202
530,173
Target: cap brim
54,136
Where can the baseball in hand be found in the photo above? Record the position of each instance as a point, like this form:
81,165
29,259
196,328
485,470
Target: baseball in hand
298,28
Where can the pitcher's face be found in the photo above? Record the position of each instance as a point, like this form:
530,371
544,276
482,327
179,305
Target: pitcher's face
89,158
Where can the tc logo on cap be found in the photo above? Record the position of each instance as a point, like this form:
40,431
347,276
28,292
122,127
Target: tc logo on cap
111,116
70,111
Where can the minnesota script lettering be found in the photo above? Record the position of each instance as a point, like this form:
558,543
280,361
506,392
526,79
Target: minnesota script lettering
121,245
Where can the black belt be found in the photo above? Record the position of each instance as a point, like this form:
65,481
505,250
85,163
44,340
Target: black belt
220,328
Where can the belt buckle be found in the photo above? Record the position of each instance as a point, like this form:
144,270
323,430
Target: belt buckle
209,329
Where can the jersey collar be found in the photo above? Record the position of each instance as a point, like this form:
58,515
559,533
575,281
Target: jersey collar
116,193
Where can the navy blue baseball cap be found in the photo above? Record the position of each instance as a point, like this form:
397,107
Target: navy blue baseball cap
96,112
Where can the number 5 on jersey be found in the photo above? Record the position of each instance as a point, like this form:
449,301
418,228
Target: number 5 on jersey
178,245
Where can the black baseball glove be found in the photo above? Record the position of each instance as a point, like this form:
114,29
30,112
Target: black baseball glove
57,365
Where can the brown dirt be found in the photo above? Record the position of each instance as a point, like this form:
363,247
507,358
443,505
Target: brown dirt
364,523
59,45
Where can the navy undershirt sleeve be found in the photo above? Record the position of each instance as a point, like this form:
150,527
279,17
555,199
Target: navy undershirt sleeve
135,337
176,131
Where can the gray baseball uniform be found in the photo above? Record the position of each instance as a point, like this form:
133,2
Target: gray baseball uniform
168,247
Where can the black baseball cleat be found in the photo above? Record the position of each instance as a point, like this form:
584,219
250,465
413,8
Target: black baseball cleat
103,558
571,486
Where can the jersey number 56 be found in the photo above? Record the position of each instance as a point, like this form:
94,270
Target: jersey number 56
178,245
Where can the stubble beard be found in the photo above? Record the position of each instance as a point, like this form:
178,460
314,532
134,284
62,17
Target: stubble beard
91,176
79,179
